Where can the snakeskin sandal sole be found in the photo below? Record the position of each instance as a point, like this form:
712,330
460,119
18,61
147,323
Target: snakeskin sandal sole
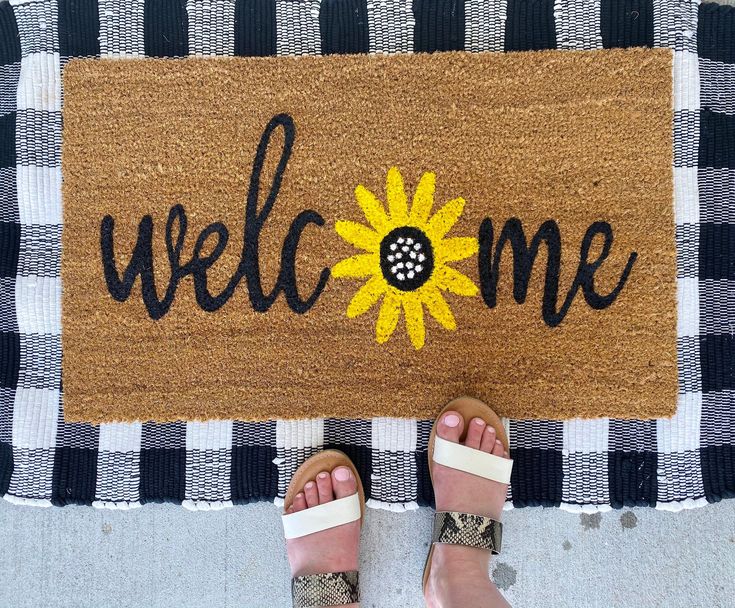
331,588
466,529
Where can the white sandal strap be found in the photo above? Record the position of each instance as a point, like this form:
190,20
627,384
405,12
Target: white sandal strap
469,460
322,517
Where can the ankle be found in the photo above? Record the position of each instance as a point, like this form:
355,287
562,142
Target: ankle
455,572
458,559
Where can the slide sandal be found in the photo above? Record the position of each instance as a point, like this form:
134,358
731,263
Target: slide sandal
453,527
331,588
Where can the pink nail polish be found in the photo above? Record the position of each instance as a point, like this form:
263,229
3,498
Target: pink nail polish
342,474
451,420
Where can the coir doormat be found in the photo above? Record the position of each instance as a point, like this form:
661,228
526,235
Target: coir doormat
362,236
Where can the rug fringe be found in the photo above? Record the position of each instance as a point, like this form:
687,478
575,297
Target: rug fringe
120,505
28,502
395,507
575,508
681,505
204,505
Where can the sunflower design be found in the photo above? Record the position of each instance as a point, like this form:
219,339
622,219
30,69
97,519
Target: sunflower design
406,259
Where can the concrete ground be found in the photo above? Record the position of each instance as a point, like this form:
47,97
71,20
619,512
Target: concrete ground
164,556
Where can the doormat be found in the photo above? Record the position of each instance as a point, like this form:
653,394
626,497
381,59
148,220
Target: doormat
360,236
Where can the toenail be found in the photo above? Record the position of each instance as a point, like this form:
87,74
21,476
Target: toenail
479,421
299,495
342,474
323,475
489,429
451,420
309,485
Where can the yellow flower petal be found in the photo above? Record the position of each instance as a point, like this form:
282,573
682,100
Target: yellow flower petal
455,249
373,209
358,266
451,280
396,195
388,317
438,307
358,235
366,296
414,319
444,219
423,200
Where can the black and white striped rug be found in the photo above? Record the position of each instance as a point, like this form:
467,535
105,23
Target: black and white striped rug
592,464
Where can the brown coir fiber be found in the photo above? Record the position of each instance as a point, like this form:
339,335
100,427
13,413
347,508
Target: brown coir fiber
573,137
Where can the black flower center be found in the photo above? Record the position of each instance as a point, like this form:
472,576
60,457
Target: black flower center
406,258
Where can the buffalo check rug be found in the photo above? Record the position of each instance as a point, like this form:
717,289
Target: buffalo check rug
673,463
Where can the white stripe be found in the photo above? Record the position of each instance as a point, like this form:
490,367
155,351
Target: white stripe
484,25
687,322
208,463
39,84
322,517
390,26
586,436
121,28
393,443
681,433
462,458
39,195
577,24
211,27
118,465
718,85
394,434
296,440
297,27
38,305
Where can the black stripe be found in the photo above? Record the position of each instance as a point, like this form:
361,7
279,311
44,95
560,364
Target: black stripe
253,476
718,471
716,32
626,23
717,251
424,487
6,466
530,26
9,359
717,361
165,28
9,248
632,479
162,474
9,39
255,28
163,462
74,476
536,479
7,140
343,25
716,140
439,25
79,28
10,53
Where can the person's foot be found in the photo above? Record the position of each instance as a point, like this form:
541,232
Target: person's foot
332,550
459,575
